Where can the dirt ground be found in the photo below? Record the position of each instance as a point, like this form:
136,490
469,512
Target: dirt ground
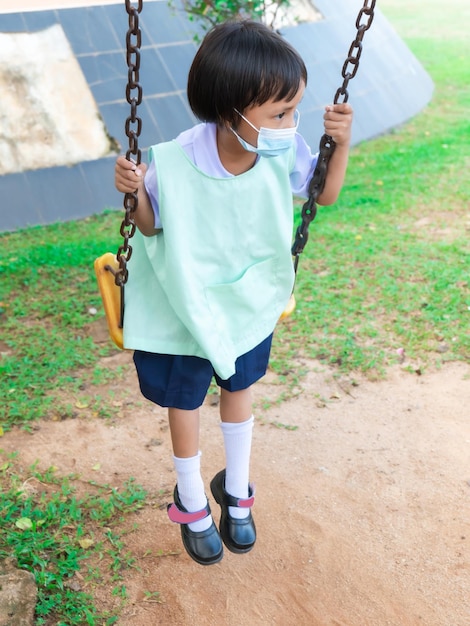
362,503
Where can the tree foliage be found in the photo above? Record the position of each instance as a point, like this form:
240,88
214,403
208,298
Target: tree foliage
209,13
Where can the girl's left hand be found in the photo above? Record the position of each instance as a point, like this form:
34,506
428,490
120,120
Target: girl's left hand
338,121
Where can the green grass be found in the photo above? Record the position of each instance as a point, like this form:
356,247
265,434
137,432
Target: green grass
385,269
73,543
48,291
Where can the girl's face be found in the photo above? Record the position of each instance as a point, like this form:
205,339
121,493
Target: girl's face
280,114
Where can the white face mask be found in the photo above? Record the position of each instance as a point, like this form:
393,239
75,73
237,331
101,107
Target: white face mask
271,141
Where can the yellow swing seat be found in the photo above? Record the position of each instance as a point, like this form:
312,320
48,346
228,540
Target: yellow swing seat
290,307
110,294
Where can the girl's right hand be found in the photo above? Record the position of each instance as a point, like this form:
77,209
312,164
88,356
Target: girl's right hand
127,175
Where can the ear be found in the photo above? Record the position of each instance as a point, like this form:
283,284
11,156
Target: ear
230,123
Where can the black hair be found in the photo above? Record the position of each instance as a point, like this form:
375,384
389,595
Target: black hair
241,64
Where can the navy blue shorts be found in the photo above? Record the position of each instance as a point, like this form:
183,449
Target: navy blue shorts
182,382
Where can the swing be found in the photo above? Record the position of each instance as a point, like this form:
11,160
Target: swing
111,270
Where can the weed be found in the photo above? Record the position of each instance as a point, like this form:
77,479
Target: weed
284,426
52,532
153,596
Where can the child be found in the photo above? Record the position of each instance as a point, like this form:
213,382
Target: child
211,269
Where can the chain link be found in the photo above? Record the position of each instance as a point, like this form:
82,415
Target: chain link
133,128
327,144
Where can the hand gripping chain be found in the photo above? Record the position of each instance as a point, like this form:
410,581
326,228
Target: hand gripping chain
327,144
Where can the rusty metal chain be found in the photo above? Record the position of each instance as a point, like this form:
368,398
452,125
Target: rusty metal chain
327,144
133,128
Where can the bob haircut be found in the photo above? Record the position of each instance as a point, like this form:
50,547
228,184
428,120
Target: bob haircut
238,65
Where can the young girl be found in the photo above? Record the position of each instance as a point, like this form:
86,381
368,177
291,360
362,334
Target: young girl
211,269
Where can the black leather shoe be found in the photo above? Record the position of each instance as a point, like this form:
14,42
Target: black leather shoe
205,546
239,535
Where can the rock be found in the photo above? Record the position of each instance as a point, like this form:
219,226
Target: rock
18,593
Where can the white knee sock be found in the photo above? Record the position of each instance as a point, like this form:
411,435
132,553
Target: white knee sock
237,441
191,488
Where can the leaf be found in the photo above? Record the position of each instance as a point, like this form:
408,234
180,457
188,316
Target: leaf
1,431
24,523
96,467
86,543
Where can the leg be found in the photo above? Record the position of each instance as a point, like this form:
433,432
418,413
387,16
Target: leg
236,406
182,381
184,429
230,487
198,531
237,429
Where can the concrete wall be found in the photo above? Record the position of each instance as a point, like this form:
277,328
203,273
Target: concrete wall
391,87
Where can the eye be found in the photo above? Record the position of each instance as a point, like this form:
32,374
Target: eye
280,116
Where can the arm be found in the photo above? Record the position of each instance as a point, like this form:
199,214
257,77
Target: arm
129,178
338,120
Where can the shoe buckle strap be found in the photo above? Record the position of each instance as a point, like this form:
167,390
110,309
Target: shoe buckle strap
184,517
245,503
